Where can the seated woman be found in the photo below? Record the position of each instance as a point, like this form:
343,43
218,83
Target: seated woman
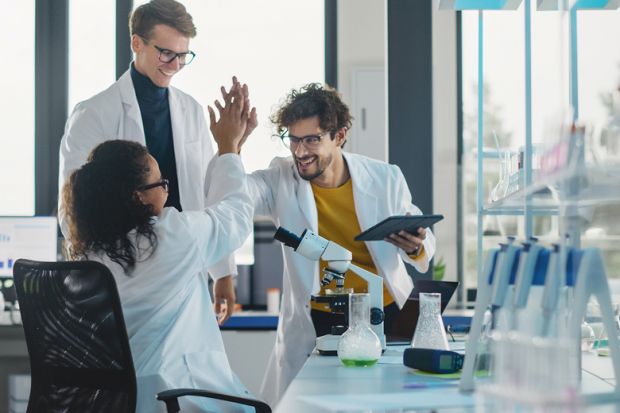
115,209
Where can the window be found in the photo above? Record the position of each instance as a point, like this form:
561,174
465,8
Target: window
92,48
17,110
504,113
261,52
599,110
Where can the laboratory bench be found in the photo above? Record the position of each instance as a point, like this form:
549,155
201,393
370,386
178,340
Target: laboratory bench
325,385
256,327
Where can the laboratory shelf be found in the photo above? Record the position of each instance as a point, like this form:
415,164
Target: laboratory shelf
548,5
479,4
578,187
570,185
506,207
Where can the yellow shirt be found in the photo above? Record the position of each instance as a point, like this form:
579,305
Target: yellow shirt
338,223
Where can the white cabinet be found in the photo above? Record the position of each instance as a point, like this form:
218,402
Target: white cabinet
368,136
248,352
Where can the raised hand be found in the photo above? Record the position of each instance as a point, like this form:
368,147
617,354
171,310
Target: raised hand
252,117
228,131
251,113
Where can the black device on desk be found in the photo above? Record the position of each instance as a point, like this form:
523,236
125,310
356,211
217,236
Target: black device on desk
396,223
433,361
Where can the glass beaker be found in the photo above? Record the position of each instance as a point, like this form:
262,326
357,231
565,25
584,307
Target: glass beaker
430,332
359,345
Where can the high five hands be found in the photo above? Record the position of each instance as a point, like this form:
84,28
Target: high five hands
237,120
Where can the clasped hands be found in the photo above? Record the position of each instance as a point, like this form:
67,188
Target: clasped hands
236,120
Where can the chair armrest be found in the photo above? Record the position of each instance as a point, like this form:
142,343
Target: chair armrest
172,404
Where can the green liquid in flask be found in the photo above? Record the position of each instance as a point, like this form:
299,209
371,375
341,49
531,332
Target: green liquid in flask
358,363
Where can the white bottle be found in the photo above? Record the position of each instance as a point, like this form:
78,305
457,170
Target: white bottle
273,300
3,314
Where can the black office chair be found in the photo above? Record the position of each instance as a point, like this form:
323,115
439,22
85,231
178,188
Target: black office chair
80,359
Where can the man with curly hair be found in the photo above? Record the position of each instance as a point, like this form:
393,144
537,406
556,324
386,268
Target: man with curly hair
337,195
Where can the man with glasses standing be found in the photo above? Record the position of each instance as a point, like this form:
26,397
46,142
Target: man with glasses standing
143,107
337,195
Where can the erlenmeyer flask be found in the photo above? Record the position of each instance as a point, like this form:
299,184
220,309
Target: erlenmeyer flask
430,332
359,345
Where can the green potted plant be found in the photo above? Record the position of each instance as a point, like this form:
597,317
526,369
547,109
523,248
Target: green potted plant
439,269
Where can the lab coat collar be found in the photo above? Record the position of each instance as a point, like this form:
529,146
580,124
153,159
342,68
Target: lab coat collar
177,109
305,200
365,200
366,203
130,105
178,119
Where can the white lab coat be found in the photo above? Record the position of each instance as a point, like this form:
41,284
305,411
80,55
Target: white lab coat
115,114
174,337
379,191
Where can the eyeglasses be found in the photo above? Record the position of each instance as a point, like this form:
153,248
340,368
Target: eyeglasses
310,141
164,183
167,56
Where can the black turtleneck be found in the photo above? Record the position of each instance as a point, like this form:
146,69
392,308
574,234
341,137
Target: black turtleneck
155,111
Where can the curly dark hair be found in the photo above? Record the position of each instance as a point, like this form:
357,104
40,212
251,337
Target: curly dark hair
101,205
311,100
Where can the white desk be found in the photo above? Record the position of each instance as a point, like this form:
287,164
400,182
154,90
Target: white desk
324,383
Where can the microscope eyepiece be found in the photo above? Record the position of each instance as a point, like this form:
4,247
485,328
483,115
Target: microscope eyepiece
287,238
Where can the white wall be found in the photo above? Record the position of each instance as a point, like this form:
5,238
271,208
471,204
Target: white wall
361,47
362,43
361,38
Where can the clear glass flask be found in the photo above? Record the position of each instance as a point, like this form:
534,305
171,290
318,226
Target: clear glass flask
430,332
359,345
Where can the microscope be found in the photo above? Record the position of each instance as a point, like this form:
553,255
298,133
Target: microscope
338,259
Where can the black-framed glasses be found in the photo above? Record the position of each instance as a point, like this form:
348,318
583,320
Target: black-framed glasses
309,141
167,56
164,183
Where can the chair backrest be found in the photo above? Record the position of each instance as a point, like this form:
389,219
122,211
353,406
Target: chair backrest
77,341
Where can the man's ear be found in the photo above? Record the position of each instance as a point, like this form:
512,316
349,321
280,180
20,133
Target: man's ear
136,43
138,197
341,136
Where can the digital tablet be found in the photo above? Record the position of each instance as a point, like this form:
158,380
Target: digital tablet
390,225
